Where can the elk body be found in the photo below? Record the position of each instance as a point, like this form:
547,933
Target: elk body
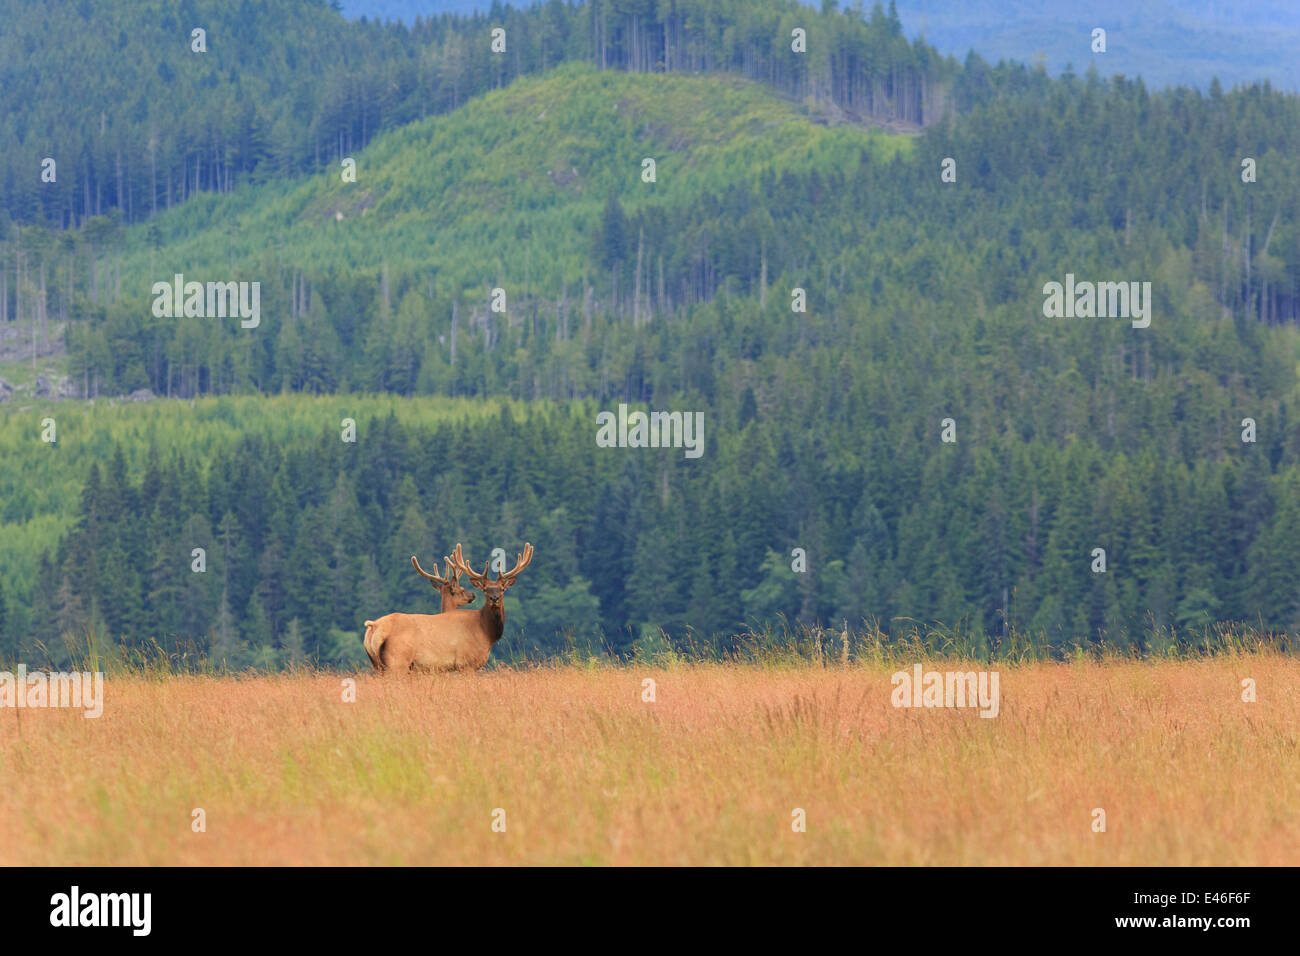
455,640
379,631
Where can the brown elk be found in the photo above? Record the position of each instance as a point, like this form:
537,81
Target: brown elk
455,640
453,597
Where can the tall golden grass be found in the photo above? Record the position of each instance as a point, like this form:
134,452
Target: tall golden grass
587,772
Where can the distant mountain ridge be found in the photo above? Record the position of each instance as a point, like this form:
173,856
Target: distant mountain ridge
1166,42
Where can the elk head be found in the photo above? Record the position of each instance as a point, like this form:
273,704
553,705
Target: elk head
453,595
493,591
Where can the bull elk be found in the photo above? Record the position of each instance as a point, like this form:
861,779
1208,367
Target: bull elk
453,597
455,640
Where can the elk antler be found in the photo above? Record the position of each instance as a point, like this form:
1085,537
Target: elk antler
521,562
457,561
433,578
507,578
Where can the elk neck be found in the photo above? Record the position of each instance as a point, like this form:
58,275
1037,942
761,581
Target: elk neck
492,618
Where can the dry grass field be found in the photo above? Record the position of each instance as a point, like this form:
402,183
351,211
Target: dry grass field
287,772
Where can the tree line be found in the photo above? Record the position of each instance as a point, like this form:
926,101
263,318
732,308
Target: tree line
983,537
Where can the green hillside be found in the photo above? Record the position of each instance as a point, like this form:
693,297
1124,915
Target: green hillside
145,104
514,181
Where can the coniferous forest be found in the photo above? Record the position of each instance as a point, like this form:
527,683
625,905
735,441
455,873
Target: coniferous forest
838,257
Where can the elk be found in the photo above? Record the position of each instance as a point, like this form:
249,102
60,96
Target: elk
456,640
453,597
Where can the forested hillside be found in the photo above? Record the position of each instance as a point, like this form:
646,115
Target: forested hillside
137,120
537,190
775,183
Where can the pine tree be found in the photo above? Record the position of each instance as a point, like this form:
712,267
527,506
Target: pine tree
292,649
223,641
611,235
